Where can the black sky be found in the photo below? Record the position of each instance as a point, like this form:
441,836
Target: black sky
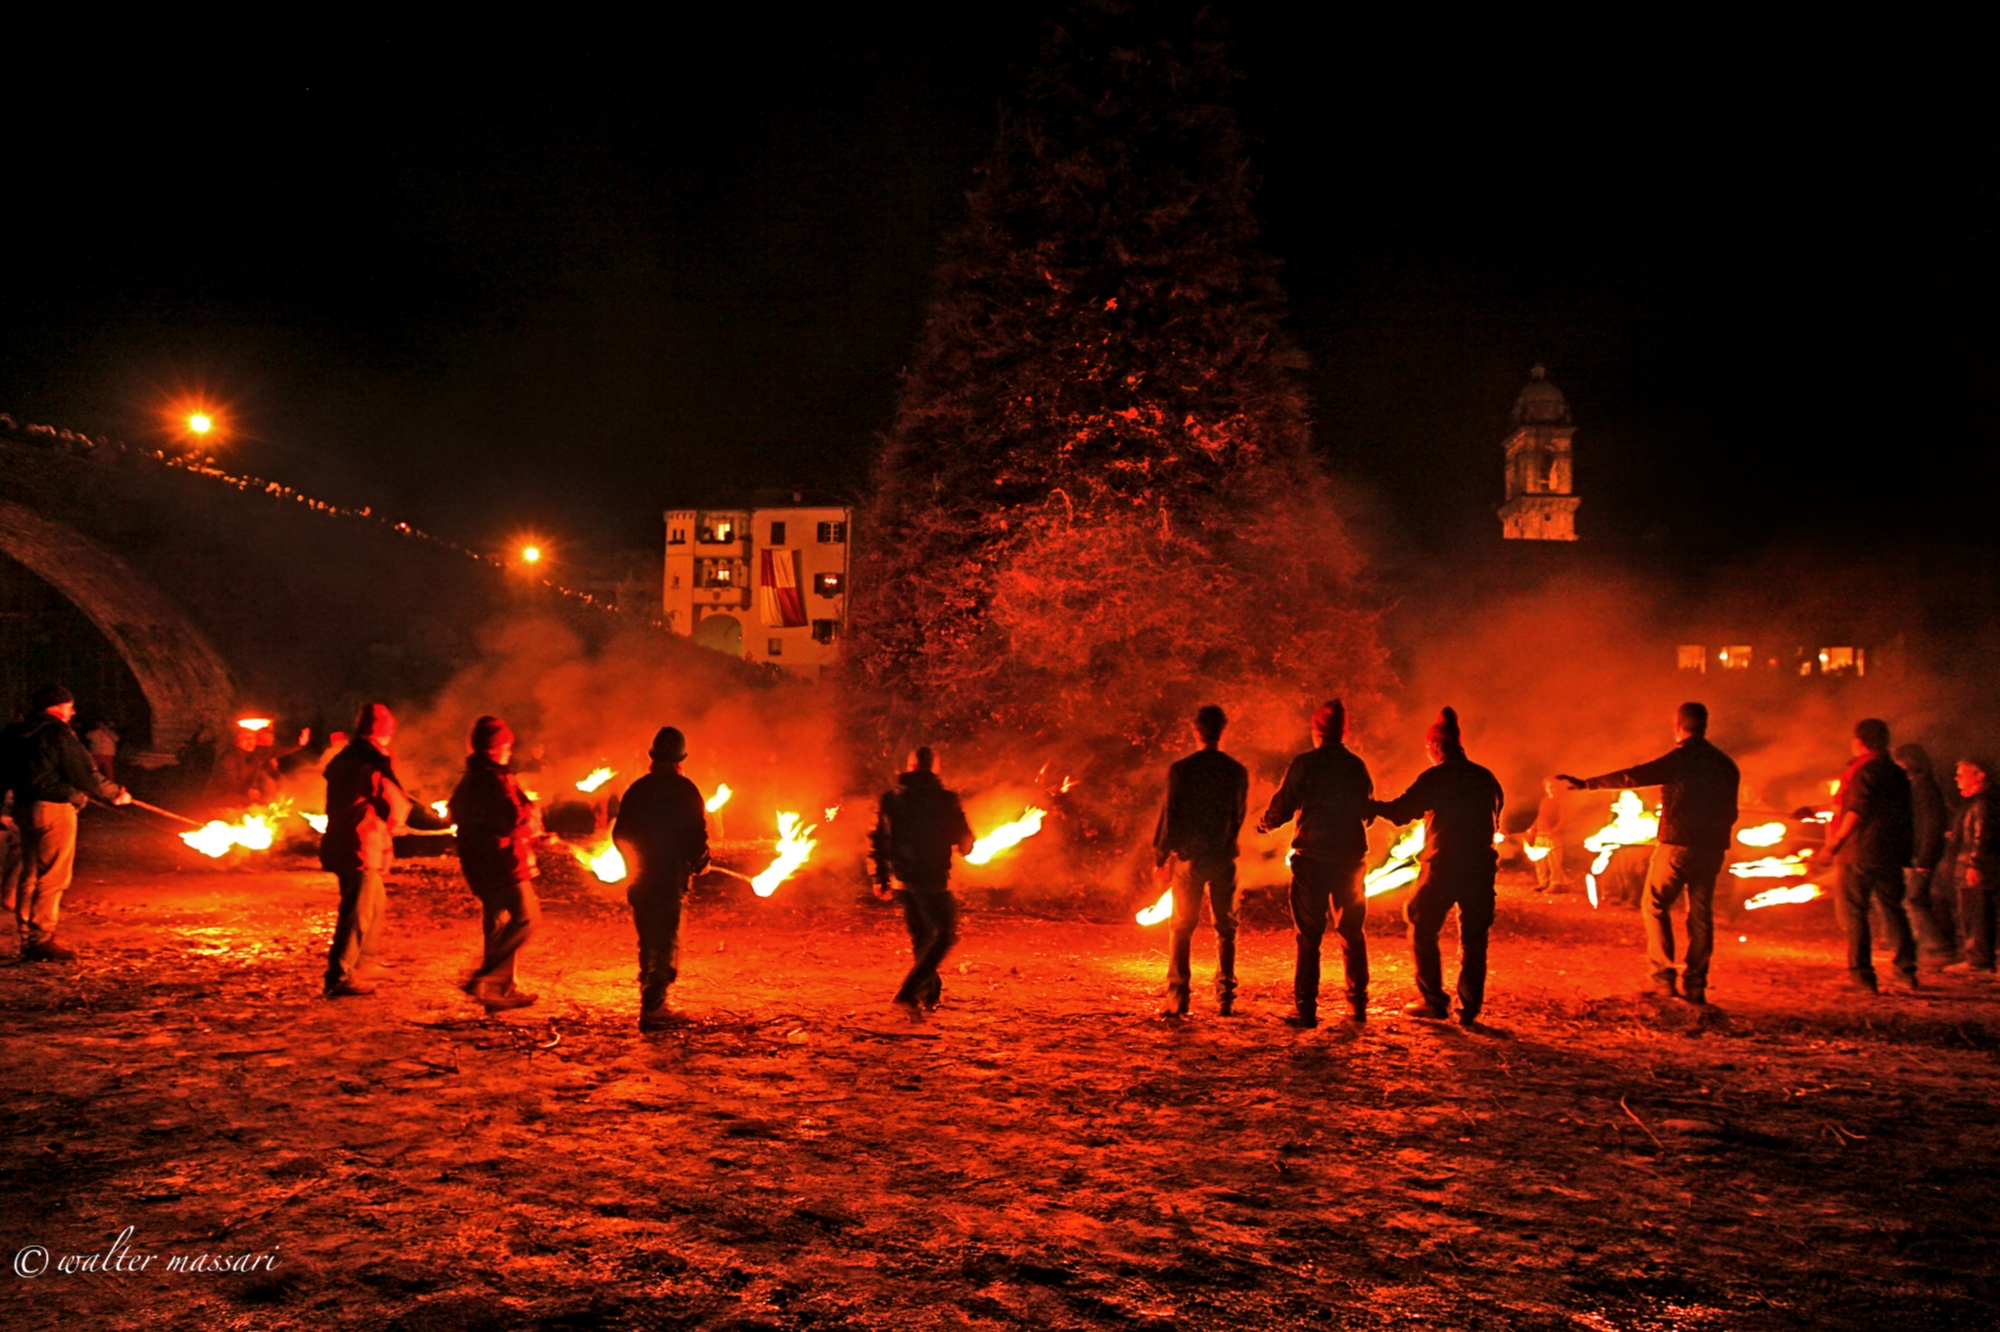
560,283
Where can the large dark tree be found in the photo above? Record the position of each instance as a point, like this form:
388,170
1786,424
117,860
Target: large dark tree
1098,506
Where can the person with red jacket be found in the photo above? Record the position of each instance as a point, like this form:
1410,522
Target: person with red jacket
366,806
497,826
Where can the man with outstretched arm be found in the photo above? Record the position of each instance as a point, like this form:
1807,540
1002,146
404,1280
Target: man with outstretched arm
1328,789
1459,802
662,830
1698,786
917,827
1195,843
52,777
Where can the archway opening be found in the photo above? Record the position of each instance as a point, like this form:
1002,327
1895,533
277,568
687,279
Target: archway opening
45,639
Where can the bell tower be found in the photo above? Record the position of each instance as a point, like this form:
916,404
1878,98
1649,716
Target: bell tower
1540,504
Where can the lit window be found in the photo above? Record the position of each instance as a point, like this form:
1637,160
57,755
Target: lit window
715,573
1738,658
1693,657
832,534
777,534
1838,661
829,584
824,630
774,647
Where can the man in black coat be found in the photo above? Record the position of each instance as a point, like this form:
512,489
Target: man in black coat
662,830
1328,789
1972,860
1195,843
52,777
1928,903
496,851
1460,803
1698,789
917,827
1872,840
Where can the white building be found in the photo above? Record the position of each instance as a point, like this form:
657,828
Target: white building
764,584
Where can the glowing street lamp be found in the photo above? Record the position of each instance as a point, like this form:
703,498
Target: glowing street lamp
531,554
200,423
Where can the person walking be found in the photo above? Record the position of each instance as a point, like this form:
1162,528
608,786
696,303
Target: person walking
1327,789
497,826
917,826
1194,844
662,831
51,777
1460,804
1872,840
1698,793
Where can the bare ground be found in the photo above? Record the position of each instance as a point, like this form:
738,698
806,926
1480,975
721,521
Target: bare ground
1044,1153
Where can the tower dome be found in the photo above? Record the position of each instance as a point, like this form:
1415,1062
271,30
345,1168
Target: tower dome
1541,403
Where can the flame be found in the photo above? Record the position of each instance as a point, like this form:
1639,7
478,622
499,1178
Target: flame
1764,834
316,821
1006,835
1803,892
713,803
607,862
1535,852
1068,782
533,799
441,808
832,813
252,832
254,723
1399,867
1772,867
795,846
1160,911
1630,825
595,780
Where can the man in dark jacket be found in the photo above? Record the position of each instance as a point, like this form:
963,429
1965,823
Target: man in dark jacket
1460,803
917,827
1930,820
496,851
366,806
1872,840
662,831
1195,843
52,777
1328,789
1973,862
1698,789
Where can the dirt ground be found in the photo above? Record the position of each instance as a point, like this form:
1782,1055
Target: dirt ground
1044,1153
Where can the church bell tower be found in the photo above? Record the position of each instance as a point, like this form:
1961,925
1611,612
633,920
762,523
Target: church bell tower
1540,504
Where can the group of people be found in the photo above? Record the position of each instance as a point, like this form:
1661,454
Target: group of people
1897,849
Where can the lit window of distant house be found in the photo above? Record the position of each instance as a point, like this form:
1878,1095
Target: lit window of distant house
1693,657
832,534
716,573
823,630
1737,658
716,531
777,534
829,584
1839,661
774,647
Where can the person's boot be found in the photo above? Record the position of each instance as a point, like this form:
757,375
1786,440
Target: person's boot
348,989
1358,1008
501,1001
655,1013
1303,1017
48,950
1857,981
909,1007
1468,1017
1663,986
1425,1009
1908,979
1697,995
1177,1004
1226,1006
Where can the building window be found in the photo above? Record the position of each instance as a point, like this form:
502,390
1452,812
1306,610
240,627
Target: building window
829,584
774,647
832,534
1736,658
1841,661
677,580
677,536
777,534
823,630
1693,657
715,573
715,530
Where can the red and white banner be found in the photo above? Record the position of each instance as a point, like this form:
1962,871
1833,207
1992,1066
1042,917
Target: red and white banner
781,601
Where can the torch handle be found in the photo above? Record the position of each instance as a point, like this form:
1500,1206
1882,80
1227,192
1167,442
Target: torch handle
155,809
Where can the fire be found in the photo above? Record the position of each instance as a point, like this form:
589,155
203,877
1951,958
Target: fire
441,808
595,780
1630,825
832,813
607,862
1160,911
317,822
252,832
1535,852
1772,867
1006,835
254,723
1764,834
795,847
713,803
1804,892
1068,782
1399,867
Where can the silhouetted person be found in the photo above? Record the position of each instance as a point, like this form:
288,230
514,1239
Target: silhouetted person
1460,804
1871,840
496,851
1546,835
662,830
244,774
1698,790
1930,822
917,827
366,806
1328,789
1195,842
52,778
101,739
1973,860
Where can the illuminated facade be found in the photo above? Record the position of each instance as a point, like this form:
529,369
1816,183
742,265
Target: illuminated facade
1541,503
765,584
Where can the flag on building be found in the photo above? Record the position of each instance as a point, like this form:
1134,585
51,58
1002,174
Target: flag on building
782,603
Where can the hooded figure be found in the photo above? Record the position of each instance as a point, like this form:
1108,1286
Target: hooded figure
1460,803
497,826
662,830
1328,789
917,827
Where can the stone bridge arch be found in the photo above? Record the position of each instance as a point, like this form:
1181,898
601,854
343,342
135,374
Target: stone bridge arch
183,678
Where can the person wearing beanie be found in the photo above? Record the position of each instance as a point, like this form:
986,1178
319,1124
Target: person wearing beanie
366,806
51,777
1873,839
1930,912
1460,804
1698,789
662,830
917,827
497,827
1328,790
1195,843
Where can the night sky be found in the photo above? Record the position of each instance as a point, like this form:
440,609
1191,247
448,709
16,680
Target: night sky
525,281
